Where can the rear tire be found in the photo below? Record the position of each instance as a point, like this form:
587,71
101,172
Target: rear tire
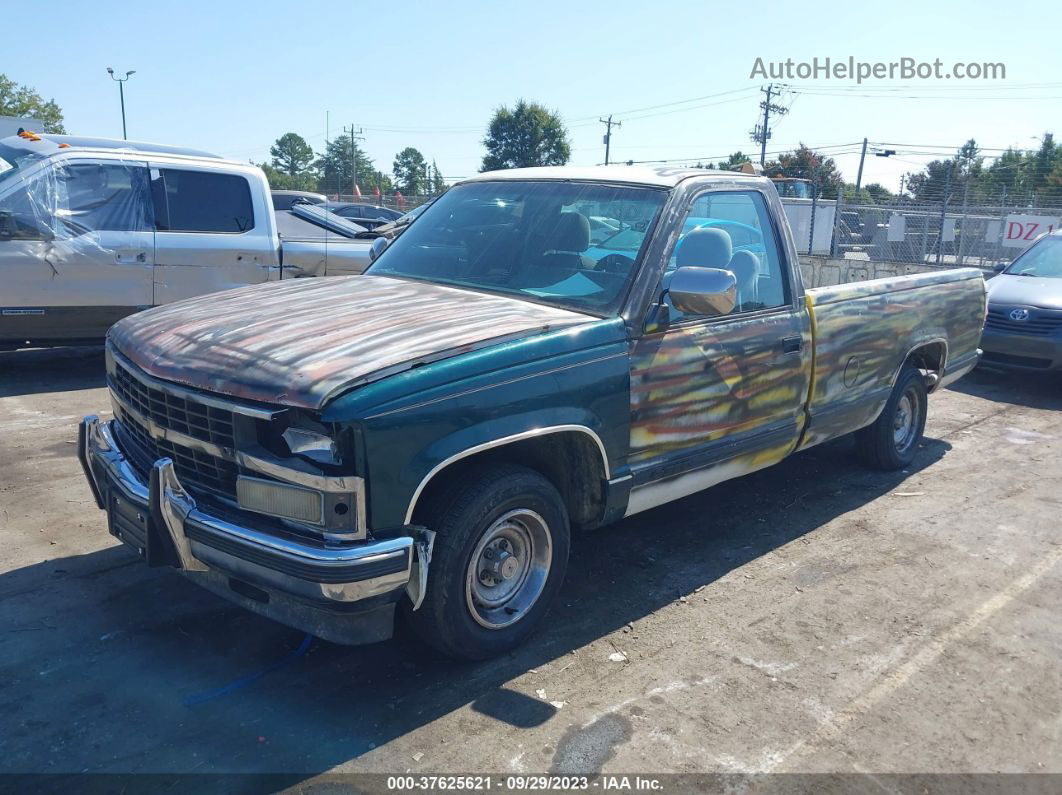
500,555
891,442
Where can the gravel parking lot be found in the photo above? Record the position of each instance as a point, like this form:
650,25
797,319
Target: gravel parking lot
809,618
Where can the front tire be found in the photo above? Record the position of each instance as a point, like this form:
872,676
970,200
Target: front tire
500,555
891,442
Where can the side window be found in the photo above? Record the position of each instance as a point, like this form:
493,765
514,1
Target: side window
733,230
74,199
101,197
202,201
23,219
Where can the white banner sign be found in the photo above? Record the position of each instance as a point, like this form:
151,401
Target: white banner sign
1021,230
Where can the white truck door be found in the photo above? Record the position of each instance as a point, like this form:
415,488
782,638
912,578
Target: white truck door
76,249
211,232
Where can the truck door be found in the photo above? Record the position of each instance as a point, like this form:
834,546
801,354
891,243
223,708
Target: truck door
715,397
210,232
76,249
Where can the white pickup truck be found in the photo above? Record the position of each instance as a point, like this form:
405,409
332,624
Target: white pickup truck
92,230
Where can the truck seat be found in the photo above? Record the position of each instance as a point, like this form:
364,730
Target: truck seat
746,269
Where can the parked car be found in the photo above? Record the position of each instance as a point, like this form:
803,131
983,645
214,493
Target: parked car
368,215
427,436
1023,328
92,230
393,229
284,199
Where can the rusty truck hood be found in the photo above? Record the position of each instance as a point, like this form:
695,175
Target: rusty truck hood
300,342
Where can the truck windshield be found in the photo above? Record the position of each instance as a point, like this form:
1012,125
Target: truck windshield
1043,259
569,244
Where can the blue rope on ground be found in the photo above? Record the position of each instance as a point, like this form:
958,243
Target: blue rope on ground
243,681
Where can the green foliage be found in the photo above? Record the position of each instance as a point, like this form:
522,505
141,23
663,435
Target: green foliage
1017,177
527,135
292,155
878,193
733,162
438,184
410,171
806,163
281,180
23,101
335,172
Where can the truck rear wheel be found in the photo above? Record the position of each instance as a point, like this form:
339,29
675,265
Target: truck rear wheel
500,555
892,440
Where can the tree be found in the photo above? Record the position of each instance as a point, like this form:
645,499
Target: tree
438,184
527,135
410,171
292,155
806,163
335,173
879,194
733,162
23,101
960,176
281,180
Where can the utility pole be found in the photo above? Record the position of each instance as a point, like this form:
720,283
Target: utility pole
353,159
609,124
859,174
761,132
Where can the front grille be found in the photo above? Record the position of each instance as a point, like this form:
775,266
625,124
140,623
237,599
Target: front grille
1038,325
195,468
206,423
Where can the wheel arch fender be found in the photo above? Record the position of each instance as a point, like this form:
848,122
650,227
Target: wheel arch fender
505,433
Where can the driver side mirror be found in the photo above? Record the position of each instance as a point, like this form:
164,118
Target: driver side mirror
377,248
703,291
999,267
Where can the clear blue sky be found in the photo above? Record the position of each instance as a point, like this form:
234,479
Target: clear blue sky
232,77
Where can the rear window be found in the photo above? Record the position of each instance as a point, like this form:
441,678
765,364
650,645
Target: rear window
202,201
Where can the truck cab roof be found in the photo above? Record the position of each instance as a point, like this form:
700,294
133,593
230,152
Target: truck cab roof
43,144
661,176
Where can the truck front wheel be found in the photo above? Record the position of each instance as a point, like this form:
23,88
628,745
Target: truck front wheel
500,554
892,440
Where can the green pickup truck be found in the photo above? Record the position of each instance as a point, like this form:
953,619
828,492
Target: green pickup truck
542,352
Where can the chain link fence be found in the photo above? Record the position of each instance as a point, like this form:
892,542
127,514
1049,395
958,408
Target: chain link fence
402,204
935,233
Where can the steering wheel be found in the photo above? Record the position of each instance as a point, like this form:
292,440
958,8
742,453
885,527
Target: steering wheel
615,263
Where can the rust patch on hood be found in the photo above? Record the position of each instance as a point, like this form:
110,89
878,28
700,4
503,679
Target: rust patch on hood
299,342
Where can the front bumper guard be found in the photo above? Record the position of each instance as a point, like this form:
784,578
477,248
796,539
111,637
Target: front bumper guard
178,533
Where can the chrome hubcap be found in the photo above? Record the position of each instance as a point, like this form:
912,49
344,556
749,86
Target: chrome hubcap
508,569
905,423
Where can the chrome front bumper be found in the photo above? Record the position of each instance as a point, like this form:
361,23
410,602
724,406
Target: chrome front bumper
318,588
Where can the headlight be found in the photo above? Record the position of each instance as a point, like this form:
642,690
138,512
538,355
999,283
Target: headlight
315,446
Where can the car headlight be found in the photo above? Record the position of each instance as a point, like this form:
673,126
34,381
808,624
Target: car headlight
315,446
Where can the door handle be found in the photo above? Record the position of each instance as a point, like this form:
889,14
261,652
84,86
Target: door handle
126,255
792,344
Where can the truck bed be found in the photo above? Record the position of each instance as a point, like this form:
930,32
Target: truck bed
864,331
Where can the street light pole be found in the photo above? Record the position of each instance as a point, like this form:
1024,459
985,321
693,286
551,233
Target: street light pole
121,95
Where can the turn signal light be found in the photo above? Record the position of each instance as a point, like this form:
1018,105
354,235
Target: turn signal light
280,499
